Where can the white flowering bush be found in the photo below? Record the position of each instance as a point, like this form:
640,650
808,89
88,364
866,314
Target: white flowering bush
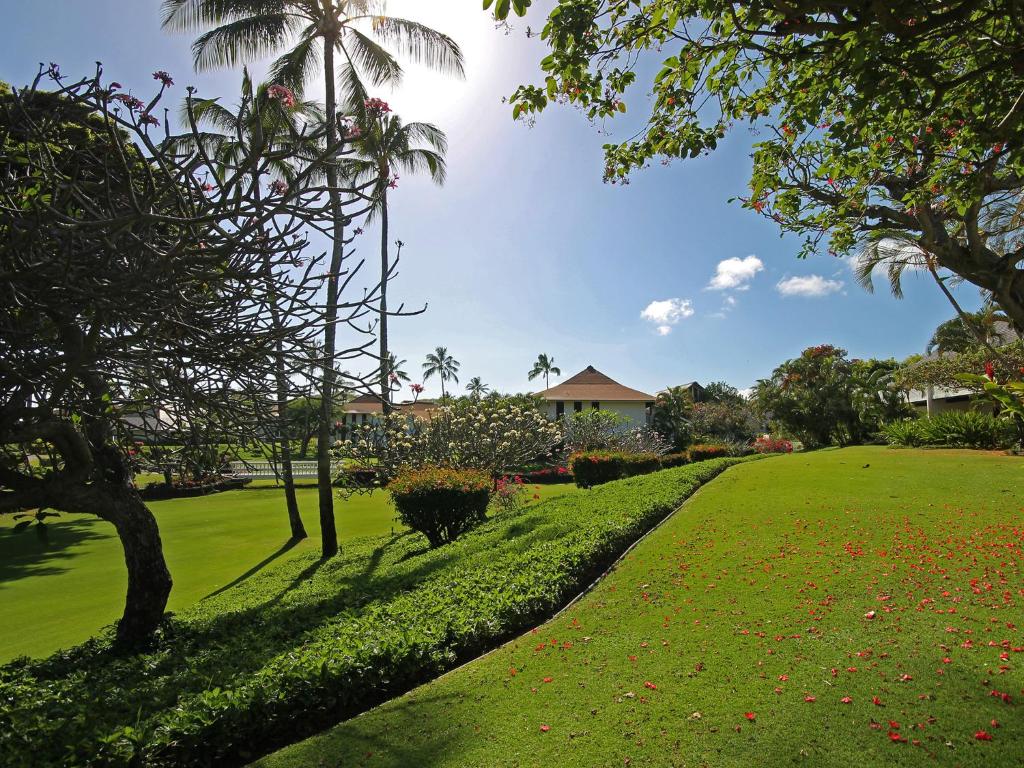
492,436
596,430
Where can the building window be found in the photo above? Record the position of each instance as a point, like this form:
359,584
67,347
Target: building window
364,418
559,409
577,406
596,405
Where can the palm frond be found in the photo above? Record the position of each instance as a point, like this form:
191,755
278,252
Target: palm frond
187,15
370,59
299,65
242,40
419,43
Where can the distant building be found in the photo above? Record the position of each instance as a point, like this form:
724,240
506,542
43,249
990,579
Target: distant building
592,389
935,400
366,409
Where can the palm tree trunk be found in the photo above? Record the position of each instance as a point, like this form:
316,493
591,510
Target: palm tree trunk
325,490
385,384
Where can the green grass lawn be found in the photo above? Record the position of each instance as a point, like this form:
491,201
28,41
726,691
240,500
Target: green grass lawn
58,593
861,606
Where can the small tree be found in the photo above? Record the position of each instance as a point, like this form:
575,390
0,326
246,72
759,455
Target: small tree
673,410
128,270
441,364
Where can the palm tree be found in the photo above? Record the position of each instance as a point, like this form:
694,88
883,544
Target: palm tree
385,147
394,373
477,388
261,122
261,126
439,363
312,31
545,366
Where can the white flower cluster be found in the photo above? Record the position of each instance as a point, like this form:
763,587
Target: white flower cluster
491,436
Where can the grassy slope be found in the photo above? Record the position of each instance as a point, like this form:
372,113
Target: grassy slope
60,593
753,599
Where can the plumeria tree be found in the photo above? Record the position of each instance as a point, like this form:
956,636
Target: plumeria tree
469,433
131,280
876,121
347,42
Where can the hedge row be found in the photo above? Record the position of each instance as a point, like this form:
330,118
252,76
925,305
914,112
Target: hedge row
307,644
590,468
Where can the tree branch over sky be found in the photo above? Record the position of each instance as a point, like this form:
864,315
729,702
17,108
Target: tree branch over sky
900,119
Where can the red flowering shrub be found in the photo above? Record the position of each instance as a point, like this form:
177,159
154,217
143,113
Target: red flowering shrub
675,459
703,451
441,503
596,467
769,444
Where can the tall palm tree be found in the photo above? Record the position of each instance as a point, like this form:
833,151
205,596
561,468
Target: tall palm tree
439,363
261,126
385,147
545,366
312,32
477,388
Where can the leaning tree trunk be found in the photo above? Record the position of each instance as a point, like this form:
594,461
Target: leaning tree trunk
385,384
149,581
325,491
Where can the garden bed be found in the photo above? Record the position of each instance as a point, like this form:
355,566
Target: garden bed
309,643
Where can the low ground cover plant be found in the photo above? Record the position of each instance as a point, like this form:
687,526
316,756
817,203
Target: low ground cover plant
954,429
310,642
441,503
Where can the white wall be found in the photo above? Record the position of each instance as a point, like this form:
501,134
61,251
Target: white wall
632,410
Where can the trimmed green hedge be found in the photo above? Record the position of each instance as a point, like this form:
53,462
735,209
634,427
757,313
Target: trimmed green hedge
590,468
679,459
308,643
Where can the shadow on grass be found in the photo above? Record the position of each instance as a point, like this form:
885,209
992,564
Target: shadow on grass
388,750
287,546
26,553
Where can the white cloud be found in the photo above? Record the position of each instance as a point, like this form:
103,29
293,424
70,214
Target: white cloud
808,285
665,313
735,274
730,301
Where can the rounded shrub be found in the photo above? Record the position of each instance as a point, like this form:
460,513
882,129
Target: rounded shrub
704,451
440,503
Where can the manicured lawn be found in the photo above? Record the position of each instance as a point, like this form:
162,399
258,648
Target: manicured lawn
861,606
59,593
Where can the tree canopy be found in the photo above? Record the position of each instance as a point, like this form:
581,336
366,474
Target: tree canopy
899,121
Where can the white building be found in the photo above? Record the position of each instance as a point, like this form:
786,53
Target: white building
592,389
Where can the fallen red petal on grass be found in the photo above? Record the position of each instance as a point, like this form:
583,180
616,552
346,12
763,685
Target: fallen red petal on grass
983,736
894,736
869,615
810,698
548,679
846,700
876,701
750,715
649,684
545,728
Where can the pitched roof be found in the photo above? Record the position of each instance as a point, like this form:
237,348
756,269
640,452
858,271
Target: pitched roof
591,384
371,404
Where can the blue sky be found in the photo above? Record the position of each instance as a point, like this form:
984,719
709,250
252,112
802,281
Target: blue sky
525,250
